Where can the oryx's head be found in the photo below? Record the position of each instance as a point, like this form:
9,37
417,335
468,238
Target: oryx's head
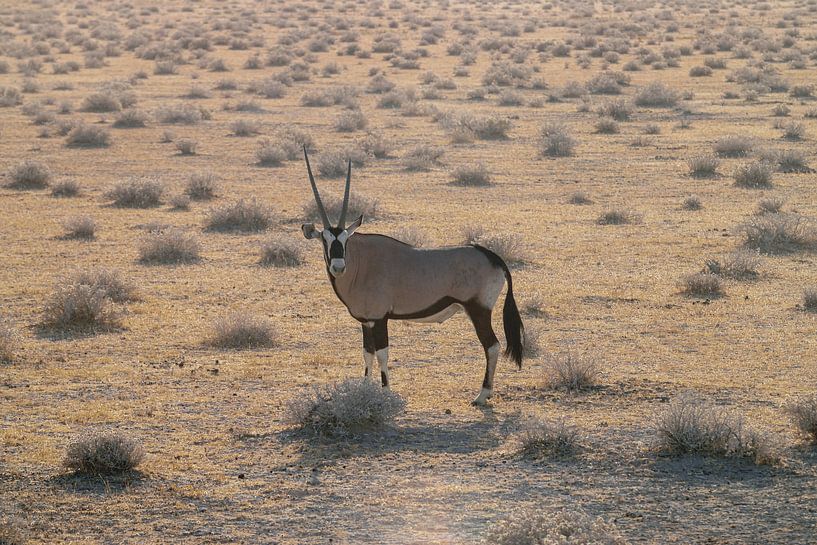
333,238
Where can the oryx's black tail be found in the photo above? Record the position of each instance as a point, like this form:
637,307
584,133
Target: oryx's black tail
511,320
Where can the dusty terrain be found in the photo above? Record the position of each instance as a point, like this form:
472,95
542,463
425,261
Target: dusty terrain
223,465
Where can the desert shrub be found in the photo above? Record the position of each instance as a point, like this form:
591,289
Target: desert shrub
346,408
101,102
566,526
619,109
540,438
792,161
606,83
555,140
131,118
803,413
779,233
201,186
198,91
652,128
802,91
741,264
88,136
8,342
692,202
167,247
180,202
757,174
700,71
377,144
702,284
770,205
281,252
810,299
691,425
422,157
351,120
108,282
74,305
136,193
733,146
358,204
618,216
186,146
508,246
794,131
181,114
164,68
241,330
242,215
656,94
80,227
703,166
509,97
9,96
781,110
334,162
607,125
486,127
270,154
471,175
29,174
244,127
570,371
579,197
411,236
108,453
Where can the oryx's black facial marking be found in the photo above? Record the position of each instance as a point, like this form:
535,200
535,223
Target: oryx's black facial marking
334,249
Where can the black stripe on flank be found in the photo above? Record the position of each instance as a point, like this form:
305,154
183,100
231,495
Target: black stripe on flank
437,307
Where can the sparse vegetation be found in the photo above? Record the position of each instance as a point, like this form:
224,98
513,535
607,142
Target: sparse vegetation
556,141
136,193
241,331
422,157
29,175
569,525
733,146
242,215
540,438
108,453
741,264
281,252
803,412
656,94
88,136
344,409
359,204
80,228
757,174
169,246
703,166
702,284
619,216
201,186
692,202
471,175
779,233
571,371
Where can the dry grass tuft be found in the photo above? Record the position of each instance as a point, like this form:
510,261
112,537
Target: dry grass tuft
242,215
704,166
508,246
11,535
556,141
108,453
619,216
702,284
201,186
29,175
8,342
422,157
810,299
691,425
733,146
241,330
780,233
186,146
741,264
770,205
80,228
656,94
692,202
754,175
136,193
346,408
169,247
281,252
65,188
540,438
571,371
88,136
475,175
75,305
803,414
564,527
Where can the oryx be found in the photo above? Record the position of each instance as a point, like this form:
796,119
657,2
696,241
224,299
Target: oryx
379,279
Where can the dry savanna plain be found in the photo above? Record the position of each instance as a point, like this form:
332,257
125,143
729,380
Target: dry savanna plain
176,368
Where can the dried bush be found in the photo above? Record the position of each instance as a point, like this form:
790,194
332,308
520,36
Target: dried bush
186,146
74,305
741,264
693,202
343,409
757,174
779,233
244,127
579,197
703,166
619,109
471,175
281,252
810,299
109,453
733,146
9,96
136,193
564,527
80,227
29,174
794,131
619,216
691,425
656,94
131,118
201,186
377,145
107,281
241,330
270,154
242,215
791,161
700,71
358,205
769,205
702,284
422,157
65,188
540,438
555,140
101,102
169,247
350,121
803,414
181,114
607,125
88,136
508,246
8,342
571,371
334,162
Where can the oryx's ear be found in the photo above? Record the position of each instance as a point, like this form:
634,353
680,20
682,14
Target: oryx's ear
310,231
355,224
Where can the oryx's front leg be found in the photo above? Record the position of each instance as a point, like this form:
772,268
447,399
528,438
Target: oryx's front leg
481,318
368,348
381,349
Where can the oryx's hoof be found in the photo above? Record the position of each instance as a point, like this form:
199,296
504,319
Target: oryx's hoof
482,398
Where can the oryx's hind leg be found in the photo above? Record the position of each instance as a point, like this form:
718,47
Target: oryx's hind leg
368,349
481,318
380,332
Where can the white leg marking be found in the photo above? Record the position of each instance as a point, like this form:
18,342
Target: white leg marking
383,360
491,355
368,360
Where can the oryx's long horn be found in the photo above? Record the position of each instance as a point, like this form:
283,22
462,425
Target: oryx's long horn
342,221
322,211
